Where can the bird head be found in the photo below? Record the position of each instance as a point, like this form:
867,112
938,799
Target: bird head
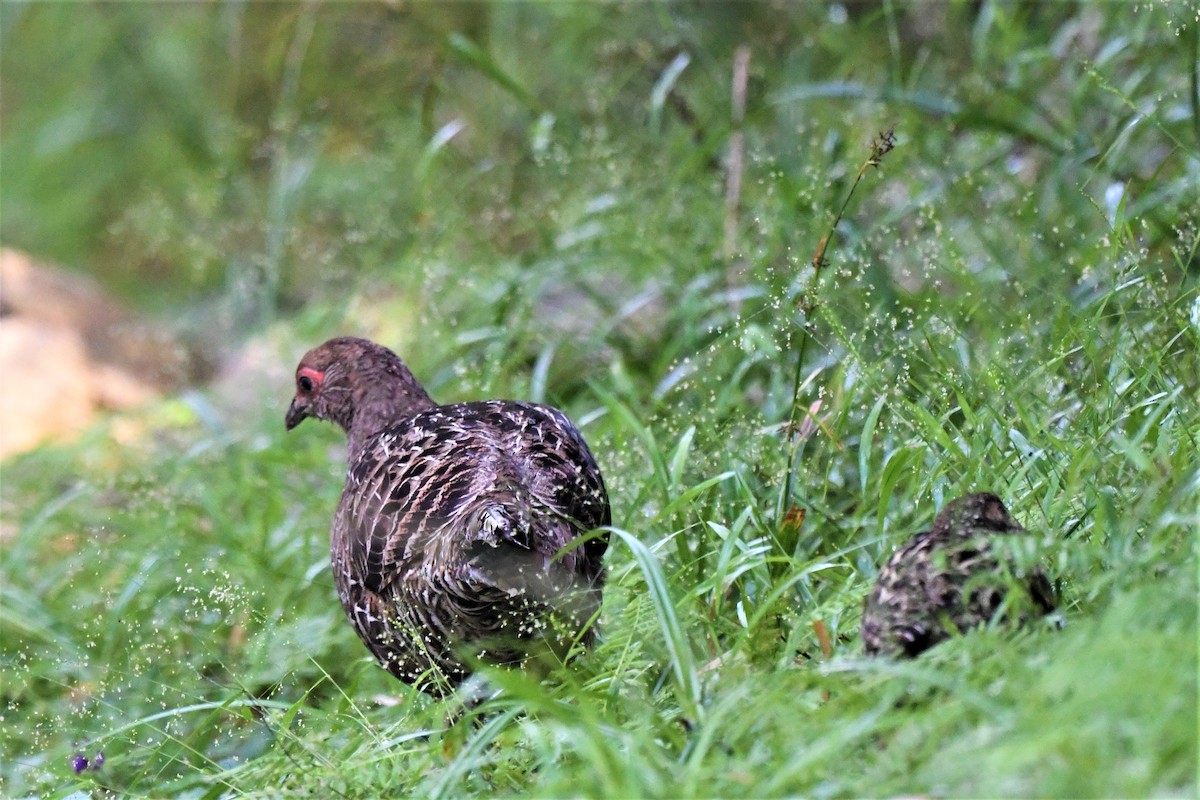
324,383
974,512
357,384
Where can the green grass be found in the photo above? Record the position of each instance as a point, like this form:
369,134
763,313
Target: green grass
1011,303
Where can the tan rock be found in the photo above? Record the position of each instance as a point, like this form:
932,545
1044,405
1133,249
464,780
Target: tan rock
113,334
48,385
68,351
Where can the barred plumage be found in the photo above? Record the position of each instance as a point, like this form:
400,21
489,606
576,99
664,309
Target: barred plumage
448,542
949,578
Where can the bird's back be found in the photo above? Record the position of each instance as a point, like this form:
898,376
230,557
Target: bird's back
450,535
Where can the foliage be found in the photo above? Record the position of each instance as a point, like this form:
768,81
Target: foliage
1010,303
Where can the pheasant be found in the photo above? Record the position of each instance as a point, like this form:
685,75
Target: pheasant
454,540
949,578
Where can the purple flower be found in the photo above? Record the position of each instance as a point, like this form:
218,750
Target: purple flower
80,763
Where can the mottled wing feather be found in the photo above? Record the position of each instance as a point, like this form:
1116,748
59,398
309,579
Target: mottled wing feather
889,619
565,481
443,468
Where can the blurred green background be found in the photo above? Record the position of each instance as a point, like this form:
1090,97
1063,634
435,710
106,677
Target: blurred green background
272,151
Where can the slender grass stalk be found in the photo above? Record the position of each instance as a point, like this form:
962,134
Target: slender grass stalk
881,146
1195,82
683,662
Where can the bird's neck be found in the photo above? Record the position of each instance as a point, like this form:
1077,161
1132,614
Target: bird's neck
384,400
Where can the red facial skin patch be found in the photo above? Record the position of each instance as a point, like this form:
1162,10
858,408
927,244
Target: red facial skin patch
312,374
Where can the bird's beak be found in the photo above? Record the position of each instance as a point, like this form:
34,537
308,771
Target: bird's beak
297,412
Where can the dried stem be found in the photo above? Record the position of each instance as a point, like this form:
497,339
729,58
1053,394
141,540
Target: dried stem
735,163
880,147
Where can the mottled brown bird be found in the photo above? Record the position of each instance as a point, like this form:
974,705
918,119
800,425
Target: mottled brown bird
448,543
948,579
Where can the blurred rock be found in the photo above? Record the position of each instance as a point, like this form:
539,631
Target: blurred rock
48,382
69,351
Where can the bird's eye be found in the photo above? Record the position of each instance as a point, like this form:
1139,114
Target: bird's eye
305,383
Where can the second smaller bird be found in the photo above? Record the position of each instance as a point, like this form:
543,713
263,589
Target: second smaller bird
950,578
